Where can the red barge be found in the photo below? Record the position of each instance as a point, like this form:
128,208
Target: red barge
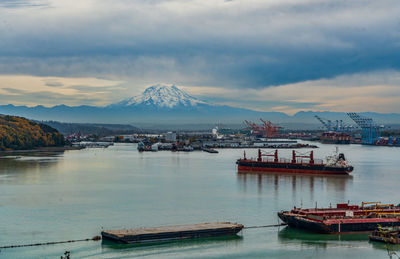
344,218
300,163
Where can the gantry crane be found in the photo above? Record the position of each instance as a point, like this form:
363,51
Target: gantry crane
327,123
371,132
337,126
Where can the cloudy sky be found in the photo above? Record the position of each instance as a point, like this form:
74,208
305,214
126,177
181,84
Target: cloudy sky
281,55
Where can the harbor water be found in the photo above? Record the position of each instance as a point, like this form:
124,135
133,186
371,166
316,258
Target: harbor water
77,193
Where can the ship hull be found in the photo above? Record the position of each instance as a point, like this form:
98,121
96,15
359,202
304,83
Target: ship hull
171,233
334,141
253,166
331,221
350,226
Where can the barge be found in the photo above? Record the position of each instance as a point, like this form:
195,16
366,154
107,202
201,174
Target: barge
170,233
344,218
343,225
300,163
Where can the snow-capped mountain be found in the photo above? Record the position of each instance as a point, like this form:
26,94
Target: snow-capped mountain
157,104
161,96
162,104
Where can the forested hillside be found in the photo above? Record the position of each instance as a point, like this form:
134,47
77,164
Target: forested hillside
20,133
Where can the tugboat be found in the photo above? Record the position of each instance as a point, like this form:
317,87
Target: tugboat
300,163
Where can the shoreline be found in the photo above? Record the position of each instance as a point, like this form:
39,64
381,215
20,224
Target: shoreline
41,149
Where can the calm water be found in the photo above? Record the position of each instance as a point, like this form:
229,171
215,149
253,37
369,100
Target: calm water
74,194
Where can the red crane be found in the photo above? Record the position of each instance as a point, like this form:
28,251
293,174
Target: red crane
256,130
266,130
271,130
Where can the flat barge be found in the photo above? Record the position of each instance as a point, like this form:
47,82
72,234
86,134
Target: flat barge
344,218
300,163
170,233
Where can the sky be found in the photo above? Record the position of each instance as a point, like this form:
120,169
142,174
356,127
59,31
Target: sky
275,55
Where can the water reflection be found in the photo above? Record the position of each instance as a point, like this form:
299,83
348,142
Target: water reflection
287,235
146,249
33,153
18,166
383,246
338,183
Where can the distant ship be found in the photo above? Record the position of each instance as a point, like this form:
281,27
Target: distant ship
300,163
331,137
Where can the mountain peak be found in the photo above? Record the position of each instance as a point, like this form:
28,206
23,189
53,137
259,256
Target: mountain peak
162,96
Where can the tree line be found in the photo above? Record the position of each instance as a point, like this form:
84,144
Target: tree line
17,133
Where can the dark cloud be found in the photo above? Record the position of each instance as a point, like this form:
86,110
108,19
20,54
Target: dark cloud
54,84
43,97
233,44
13,90
22,3
96,89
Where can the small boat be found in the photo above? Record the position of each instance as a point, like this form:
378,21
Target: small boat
389,235
299,163
210,150
143,147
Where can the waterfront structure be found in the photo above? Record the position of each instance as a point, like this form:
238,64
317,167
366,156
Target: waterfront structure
170,136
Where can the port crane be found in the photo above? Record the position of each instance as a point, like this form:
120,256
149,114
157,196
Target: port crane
266,129
271,130
337,125
327,123
371,132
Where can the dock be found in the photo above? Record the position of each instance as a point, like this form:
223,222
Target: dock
169,233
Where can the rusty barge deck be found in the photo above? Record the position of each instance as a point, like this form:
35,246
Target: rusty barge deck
344,218
169,233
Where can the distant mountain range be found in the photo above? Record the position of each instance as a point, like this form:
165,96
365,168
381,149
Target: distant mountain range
161,104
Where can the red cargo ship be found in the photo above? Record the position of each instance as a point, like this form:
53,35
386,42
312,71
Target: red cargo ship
344,218
300,163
